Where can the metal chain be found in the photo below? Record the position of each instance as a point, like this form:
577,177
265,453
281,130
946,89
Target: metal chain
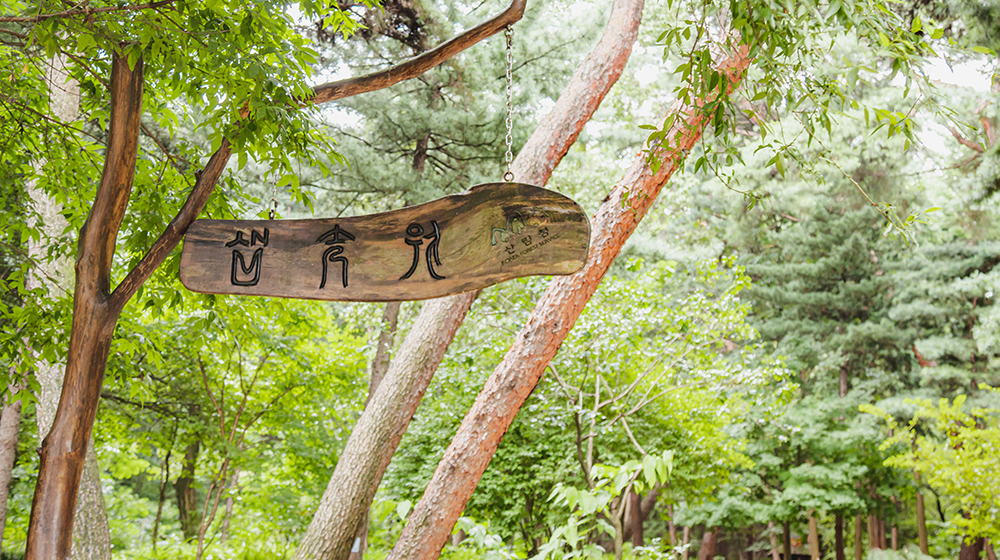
509,34
274,202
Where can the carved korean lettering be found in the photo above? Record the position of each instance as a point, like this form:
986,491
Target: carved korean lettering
242,274
415,238
336,238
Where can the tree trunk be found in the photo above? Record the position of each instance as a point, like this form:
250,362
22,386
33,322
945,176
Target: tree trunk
838,537
380,364
10,423
787,540
991,554
895,538
921,519
813,537
635,519
64,450
91,534
164,480
515,377
971,550
872,532
708,542
234,480
773,538
671,527
859,549
377,433
187,501
687,541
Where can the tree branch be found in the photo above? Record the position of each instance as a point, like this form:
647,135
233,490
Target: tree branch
84,11
965,141
419,64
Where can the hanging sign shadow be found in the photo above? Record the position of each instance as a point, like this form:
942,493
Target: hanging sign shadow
463,242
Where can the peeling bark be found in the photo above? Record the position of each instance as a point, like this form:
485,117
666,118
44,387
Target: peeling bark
506,390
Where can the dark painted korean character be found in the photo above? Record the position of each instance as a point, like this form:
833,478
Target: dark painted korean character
336,238
413,238
544,232
240,268
511,249
526,240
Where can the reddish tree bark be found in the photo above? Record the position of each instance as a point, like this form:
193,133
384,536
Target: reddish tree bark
515,377
376,436
63,451
708,542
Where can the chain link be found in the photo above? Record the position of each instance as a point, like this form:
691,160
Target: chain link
274,202
509,34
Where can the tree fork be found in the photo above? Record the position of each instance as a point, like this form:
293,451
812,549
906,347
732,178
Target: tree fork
508,387
64,450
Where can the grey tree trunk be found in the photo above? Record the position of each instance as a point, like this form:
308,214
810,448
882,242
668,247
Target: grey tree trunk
380,428
10,422
91,535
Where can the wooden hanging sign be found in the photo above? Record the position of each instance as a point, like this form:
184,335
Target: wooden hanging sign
463,242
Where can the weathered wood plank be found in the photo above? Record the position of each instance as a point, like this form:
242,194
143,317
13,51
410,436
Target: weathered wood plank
489,234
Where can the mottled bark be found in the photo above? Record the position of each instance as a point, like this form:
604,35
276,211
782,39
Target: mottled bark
516,376
10,422
375,437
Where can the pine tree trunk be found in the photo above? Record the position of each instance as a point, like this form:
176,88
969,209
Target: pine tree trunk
708,542
10,423
872,532
895,538
375,437
515,377
671,527
991,553
813,537
838,537
187,502
859,549
380,364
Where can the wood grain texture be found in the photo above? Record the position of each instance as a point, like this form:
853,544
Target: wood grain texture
489,234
